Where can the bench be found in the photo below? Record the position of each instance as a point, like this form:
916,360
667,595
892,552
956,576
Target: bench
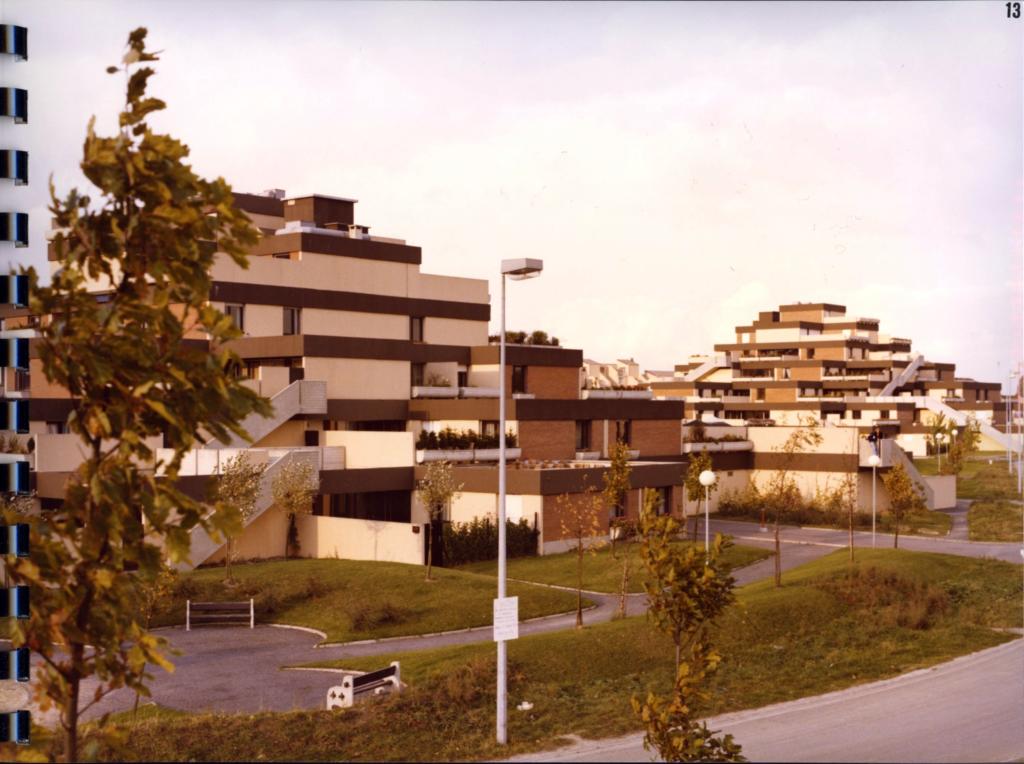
376,682
219,614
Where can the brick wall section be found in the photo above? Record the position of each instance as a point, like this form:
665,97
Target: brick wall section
553,382
547,440
657,437
806,372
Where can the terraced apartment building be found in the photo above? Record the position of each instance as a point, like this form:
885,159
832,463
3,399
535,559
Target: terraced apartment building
812,360
363,355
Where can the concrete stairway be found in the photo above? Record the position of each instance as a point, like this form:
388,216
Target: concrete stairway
300,397
204,546
903,377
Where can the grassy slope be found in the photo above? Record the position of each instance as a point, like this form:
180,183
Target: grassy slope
333,595
916,524
995,521
778,644
601,571
978,479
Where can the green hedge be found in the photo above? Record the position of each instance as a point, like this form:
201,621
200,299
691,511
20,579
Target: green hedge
478,540
461,439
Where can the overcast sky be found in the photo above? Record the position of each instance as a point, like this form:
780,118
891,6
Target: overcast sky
678,167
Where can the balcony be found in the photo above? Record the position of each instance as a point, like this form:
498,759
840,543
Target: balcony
424,456
715,446
420,391
212,461
628,395
65,452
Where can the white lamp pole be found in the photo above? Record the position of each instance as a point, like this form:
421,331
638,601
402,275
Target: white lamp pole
874,461
707,479
939,440
522,268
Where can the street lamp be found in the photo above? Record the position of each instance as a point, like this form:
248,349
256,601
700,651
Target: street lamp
707,479
940,439
874,461
517,269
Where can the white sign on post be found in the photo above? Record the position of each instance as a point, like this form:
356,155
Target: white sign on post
506,619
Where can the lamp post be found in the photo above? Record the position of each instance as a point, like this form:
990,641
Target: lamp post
874,461
707,479
939,440
521,268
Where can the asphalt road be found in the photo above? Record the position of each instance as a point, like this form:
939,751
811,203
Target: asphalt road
970,709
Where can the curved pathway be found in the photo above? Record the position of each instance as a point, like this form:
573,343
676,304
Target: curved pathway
969,709
240,670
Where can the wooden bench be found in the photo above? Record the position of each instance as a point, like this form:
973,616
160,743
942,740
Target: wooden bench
219,614
377,682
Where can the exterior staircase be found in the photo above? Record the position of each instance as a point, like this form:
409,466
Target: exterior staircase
903,377
204,546
1005,440
715,362
300,397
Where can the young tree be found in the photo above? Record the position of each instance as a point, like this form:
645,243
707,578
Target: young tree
616,486
782,493
686,592
847,495
238,487
580,519
436,491
694,490
294,489
151,236
904,497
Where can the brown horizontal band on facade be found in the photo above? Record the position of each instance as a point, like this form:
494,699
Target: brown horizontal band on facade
326,299
528,355
747,384
49,409
803,342
331,481
552,482
465,409
259,205
322,346
783,363
198,344
770,460
553,409
352,410
370,480
855,405
342,246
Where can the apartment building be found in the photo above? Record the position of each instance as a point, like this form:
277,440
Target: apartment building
811,359
364,356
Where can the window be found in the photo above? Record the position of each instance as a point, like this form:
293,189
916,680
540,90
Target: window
462,379
810,353
518,379
489,429
663,500
416,328
292,321
855,414
582,434
237,314
418,371
56,428
624,431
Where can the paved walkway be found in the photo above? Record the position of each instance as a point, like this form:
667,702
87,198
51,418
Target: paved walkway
239,670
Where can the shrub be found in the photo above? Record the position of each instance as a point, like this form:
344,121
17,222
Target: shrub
366,616
449,439
893,599
478,540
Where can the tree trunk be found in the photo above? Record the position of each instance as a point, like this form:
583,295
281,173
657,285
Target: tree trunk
430,546
71,719
579,584
851,535
778,554
625,585
896,533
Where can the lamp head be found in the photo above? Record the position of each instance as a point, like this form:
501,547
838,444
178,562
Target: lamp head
873,460
707,478
522,268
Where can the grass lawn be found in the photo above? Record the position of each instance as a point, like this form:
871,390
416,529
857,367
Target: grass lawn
926,523
601,571
995,521
351,600
823,630
978,479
